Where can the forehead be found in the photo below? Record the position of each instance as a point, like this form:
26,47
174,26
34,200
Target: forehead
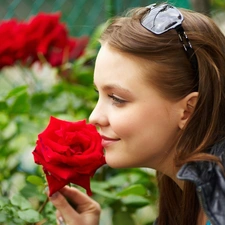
113,66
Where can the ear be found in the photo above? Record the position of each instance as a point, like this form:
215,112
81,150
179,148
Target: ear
188,104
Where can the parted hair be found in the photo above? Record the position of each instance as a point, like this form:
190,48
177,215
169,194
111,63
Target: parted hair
174,78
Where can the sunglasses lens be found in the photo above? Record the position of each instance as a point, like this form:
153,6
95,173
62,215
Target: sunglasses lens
161,18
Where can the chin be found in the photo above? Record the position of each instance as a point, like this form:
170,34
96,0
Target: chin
114,163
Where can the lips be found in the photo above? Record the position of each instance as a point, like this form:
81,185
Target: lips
106,141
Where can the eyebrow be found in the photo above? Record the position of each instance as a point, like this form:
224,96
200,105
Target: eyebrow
110,87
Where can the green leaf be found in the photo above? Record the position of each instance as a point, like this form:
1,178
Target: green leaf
135,201
105,194
21,104
99,184
3,216
136,189
30,216
3,202
20,201
36,180
121,218
4,120
60,103
3,105
17,91
97,189
118,180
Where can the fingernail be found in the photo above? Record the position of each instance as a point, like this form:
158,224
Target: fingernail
55,195
61,221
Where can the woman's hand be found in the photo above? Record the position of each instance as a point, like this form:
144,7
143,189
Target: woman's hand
81,210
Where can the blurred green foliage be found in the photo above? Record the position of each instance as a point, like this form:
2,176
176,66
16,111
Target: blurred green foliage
28,97
218,4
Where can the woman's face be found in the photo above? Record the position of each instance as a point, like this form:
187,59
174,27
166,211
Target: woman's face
137,125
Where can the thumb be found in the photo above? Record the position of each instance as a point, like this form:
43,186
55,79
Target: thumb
65,209
80,205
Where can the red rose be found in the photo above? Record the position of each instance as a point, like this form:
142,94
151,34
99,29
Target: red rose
12,39
41,38
45,32
73,49
48,37
77,47
70,152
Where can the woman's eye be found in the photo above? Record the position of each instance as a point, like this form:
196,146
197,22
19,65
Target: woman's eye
116,100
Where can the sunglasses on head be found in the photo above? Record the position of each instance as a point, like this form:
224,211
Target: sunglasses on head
162,18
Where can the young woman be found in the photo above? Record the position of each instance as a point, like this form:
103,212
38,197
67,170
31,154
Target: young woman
160,74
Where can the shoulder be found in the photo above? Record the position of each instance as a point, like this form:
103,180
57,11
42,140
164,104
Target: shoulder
219,150
209,180
204,171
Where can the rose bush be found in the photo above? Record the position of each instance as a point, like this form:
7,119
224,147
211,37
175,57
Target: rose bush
13,42
42,38
70,152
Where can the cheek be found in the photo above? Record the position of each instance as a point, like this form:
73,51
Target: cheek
123,124
152,119
127,122
155,125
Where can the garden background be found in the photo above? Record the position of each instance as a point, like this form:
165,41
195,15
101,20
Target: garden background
55,78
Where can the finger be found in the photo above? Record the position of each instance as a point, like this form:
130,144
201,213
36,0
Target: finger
60,221
64,208
58,214
87,211
59,218
82,202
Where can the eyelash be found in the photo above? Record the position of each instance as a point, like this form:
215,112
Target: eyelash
116,100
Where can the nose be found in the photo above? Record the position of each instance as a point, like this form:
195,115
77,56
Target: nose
98,116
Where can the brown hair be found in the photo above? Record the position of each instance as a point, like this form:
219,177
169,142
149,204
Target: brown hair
175,79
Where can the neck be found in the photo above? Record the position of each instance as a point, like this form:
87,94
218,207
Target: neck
171,170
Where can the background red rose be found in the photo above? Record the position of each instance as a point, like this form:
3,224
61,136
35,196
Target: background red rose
42,38
70,152
12,42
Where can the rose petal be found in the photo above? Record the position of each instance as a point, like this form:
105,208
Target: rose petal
70,152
